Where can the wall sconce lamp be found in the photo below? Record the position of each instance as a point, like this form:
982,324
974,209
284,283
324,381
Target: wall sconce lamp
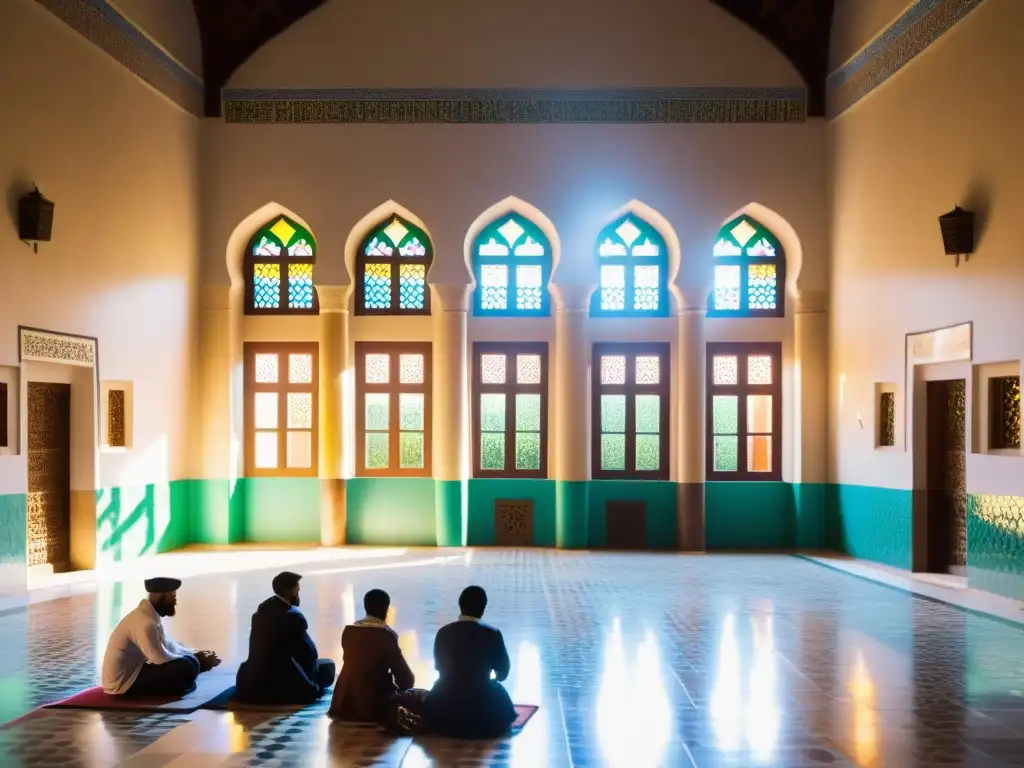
958,233
35,218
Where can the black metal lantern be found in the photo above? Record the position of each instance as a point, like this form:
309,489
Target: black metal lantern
958,233
35,218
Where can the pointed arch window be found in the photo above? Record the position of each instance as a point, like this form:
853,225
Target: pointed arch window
749,271
279,270
512,263
633,261
392,263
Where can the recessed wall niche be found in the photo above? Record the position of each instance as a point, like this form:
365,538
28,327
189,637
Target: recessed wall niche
116,408
885,415
8,410
997,409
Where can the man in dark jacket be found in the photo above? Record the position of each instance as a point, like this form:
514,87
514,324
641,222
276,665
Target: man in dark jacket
374,674
465,702
282,667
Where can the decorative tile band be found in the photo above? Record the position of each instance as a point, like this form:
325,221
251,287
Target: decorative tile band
103,26
514,105
909,35
49,347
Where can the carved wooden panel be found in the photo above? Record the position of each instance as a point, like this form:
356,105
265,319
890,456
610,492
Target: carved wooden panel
3,415
115,418
626,524
957,469
49,474
46,347
513,522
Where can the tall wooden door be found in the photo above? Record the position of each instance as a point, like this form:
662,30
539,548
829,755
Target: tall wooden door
947,476
49,475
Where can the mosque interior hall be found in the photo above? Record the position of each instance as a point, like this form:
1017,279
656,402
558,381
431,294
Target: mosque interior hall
690,331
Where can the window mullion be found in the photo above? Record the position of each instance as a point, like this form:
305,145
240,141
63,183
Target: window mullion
395,292
510,424
630,414
510,291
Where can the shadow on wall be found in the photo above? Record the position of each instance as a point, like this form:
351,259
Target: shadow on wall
139,521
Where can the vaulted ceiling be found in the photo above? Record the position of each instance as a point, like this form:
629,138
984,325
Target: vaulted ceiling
233,30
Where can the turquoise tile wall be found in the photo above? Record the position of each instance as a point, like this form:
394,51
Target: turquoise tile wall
391,511
483,492
995,544
871,523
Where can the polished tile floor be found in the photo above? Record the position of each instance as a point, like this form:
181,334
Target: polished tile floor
635,660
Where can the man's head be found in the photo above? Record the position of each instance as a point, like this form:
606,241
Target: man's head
473,602
286,586
376,602
163,594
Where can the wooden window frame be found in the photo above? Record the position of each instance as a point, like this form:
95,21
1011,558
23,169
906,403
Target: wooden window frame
394,262
284,260
394,388
631,350
630,262
282,387
744,262
510,389
742,389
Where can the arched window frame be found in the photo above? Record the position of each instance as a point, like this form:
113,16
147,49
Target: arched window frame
511,241
746,243
628,241
295,259
379,249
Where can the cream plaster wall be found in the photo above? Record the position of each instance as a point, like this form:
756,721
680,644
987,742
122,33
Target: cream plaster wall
530,43
855,23
900,158
121,165
171,24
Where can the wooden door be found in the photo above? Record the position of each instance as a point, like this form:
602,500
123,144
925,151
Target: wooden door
49,475
946,476
626,524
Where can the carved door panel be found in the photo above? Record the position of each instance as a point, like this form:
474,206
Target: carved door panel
513,522
49,475
946,476
956,471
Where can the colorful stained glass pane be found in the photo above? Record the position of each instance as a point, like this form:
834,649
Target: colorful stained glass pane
727,287
410,411
494,286
266,368
613,369
511,230
492,369
413,247
378,368
725,248
528,287
410,450
725,415
528,450
726,453
648,413
379,247
396,231
743,232
300,368
299,449
282,230
300,410
528,369
645,288
759,414
613,287
648,369
301,248
412,286
759,453
529,247
266,286
492,450
492,412
410,369
611,248
759,369
266,247
527,413
613,452
762,248
377,286
628,231
265,450
648,453
265,410
613,413
300,286
761,289
377,444
492,248
378,411
725,370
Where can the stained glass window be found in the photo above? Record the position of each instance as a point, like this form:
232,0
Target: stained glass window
749,277
393,426
630,396
745,405
279,267
281,391
633,260
512,261
509,410
1004,406
392,262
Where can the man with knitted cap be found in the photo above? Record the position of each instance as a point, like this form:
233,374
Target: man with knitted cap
141,660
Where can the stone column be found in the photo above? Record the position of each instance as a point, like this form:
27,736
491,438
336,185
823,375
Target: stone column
572,415
810,393
450,413
692,359
332,362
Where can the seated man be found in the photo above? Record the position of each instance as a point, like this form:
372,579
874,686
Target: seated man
465,702
374,674
282,667
141,660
